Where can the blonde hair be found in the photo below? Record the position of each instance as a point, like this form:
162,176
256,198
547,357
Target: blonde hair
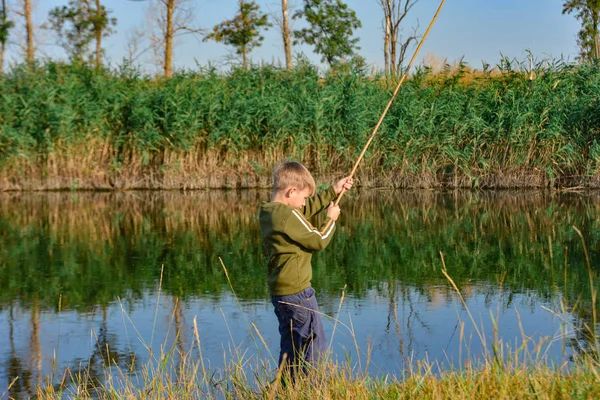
292,173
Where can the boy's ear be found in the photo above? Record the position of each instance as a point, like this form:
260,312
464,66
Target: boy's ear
290,191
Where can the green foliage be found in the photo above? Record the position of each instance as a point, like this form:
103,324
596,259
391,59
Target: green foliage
588,12
243,31
77,24
5,25
463,125
331,26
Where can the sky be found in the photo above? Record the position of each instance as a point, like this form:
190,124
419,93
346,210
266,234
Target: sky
474,30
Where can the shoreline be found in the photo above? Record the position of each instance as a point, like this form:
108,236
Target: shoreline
240,180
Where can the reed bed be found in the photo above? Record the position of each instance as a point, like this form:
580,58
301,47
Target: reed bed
70,127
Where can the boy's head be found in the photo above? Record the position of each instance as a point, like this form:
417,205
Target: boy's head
294,182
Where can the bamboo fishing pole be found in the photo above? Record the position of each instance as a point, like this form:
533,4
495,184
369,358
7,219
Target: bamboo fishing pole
412,60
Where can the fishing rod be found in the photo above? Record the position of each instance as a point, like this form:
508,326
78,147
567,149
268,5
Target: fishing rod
337,201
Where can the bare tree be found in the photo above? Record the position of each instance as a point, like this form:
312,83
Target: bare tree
281,18
285,32
24,9
135,46
98,33
172,18
29,27
394,51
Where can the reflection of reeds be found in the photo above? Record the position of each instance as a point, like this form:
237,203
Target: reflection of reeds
98,216
483,235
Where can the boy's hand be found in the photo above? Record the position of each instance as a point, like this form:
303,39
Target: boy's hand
344,183
333,211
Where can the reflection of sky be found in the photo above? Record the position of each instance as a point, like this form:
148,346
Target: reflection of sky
476,29
425,327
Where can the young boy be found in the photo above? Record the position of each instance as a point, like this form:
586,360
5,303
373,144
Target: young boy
289,240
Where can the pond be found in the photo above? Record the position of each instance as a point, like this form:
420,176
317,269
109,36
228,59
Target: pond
91,279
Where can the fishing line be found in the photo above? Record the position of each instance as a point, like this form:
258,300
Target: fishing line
414,57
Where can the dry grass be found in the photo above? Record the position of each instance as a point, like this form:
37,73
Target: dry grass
80,169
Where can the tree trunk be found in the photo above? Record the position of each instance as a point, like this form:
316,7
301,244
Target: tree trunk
2,49
169,39
393,52
244,61
595,20
386,38
392,25
98,32
3,44
285,31
29,28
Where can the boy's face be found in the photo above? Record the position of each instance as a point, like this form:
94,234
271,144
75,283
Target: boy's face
297,198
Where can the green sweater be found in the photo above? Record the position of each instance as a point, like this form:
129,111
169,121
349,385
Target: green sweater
289,240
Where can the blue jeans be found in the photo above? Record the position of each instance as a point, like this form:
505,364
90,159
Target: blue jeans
300,327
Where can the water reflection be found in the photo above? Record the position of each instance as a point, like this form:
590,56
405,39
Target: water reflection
79,274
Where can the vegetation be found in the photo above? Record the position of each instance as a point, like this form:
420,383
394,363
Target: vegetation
78,23
242,32
5,26
588,12
70,127
167,377
331,25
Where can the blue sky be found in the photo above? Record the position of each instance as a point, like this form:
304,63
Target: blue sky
476,29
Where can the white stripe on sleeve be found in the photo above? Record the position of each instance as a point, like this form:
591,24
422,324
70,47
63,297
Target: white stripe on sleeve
310,229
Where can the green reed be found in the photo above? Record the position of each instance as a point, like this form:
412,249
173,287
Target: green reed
459,127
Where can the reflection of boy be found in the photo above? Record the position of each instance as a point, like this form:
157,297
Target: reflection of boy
289,240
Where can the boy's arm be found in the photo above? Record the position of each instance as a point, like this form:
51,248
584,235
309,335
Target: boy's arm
319,202
299,230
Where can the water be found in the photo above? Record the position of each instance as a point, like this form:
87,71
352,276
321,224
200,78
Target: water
90,277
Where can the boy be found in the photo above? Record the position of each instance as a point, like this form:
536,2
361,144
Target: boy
289,240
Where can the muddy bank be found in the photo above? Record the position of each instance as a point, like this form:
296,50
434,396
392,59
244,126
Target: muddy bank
248,178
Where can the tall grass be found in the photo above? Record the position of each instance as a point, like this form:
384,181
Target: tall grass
502,372
66,126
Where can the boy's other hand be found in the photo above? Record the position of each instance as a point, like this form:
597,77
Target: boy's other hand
333,211
344,183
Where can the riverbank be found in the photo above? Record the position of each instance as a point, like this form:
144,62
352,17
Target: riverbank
67,127
195,171
494,379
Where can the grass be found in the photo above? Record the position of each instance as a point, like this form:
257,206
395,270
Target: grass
69,127
501,371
